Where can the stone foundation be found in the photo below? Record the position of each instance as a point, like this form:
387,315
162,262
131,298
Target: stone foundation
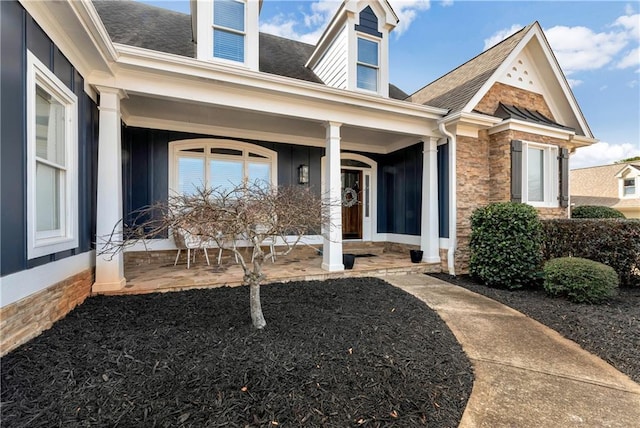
25,319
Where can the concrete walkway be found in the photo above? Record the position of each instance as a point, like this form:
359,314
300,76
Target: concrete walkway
526,375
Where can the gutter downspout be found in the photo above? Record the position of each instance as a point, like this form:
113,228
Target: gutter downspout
453,203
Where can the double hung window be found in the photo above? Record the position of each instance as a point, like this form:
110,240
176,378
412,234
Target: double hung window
540,175
629,187
229,30
52,186
368,64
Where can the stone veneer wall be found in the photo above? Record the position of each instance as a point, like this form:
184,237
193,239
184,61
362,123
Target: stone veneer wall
27,318
472,190
484,176
508,94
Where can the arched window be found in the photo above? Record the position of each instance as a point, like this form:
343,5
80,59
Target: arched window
221,164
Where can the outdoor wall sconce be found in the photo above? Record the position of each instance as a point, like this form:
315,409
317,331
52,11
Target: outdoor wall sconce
303,174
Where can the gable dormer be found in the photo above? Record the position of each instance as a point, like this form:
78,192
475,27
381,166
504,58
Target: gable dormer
353,52
226,31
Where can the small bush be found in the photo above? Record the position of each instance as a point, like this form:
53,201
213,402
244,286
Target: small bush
579,280
614,242
595,211
506,245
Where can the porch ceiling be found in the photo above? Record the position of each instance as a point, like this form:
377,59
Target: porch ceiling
191,116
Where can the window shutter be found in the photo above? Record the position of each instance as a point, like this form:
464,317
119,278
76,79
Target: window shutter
516,171
564,178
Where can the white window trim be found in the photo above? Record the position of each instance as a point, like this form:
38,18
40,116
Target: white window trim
551,177
378,68
230,30
633,195
42,245
204,30
208,143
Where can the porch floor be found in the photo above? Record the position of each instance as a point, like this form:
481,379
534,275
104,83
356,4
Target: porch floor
149,272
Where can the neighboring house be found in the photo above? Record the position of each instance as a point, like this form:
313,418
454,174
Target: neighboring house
616,186
110,106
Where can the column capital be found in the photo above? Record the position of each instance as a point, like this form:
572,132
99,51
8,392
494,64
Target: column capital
104,90
332,124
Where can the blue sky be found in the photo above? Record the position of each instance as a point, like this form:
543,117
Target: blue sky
597,44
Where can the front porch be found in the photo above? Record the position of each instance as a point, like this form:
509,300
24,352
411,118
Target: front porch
150,272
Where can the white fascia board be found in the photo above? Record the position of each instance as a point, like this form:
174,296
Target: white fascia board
327,37
154,62
533,128
582,141
51,16
535,31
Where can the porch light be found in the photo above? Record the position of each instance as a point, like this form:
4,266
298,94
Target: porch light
303,174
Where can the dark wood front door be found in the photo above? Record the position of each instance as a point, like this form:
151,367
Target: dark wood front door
351,204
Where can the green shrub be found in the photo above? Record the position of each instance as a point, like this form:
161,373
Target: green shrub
579,280
506,245
614,242
595,211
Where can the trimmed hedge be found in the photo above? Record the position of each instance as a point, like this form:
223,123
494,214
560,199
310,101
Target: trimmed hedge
595,211
614,242
506,245
579,280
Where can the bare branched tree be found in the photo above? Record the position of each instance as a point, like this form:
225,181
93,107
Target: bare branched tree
252,213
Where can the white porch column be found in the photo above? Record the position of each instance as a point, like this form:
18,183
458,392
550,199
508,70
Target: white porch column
430,235
332,246
109,267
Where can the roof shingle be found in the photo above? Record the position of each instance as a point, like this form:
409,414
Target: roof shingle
455,89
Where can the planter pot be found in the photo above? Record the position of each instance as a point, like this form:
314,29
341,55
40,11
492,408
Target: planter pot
416,255
348,260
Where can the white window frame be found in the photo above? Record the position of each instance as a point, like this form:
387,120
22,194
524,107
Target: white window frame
550,175
175,148
229,30
367,65
66,238
622,187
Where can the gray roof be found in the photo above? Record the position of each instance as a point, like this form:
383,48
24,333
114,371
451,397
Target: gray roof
141,25
455,89
506,111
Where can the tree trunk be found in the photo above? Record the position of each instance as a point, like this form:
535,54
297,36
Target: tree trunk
256,308
255,279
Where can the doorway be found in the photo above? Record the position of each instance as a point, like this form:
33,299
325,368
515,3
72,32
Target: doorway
352,203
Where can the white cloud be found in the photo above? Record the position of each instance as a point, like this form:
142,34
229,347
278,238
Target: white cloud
628,9
500,35
603,87
632,84
407,10
580,48
446,3
307,26
632,59
603,154
574,82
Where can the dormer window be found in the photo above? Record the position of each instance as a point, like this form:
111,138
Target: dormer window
229,30
368,64
629,187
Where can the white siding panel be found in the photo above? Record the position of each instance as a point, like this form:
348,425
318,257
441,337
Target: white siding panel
332,68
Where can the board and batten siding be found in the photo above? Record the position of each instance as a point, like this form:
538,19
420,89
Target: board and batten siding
332,67
19,33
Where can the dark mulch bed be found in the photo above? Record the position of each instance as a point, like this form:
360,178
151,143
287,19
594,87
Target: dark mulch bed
351,352
610,331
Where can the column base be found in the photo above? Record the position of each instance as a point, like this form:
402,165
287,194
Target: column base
332,268
431,259
108,286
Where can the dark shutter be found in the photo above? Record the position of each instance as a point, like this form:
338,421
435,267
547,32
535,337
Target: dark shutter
516,171
564,177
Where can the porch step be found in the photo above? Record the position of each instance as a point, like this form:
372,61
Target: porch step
362,248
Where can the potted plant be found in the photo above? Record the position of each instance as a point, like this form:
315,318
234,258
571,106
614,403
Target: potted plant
416,255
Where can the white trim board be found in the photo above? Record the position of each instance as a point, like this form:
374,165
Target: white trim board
22,284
